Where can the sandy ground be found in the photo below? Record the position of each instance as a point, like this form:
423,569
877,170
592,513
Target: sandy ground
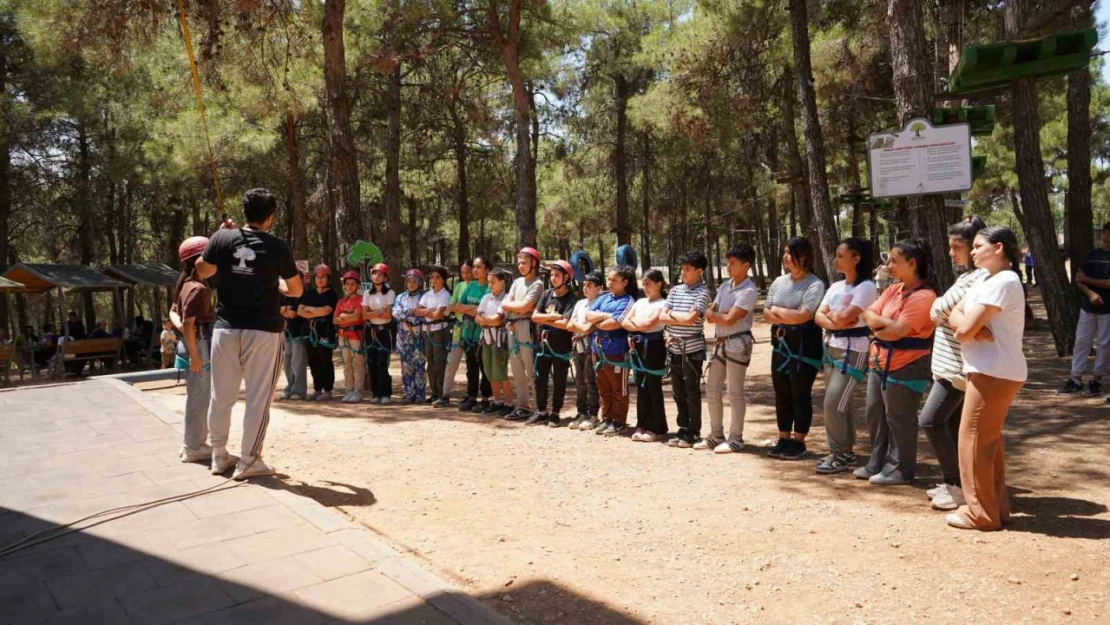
557,526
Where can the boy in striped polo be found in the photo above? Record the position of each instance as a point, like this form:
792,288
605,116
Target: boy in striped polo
684,318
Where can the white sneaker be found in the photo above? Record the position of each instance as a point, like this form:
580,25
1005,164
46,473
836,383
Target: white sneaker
729,447
324,396
701,445
222,462
647,436
950,499
384,401
936,490
200,454
257,468
356,397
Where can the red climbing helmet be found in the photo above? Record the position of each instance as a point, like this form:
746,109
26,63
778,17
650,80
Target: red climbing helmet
191,248
322,270
352,275
414,273
563,266
530,251
382,267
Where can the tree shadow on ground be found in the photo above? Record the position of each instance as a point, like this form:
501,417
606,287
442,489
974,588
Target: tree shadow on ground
1060,517
54,582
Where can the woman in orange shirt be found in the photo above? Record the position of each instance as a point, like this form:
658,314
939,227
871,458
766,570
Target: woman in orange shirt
900,364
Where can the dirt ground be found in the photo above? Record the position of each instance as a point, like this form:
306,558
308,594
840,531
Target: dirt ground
556,526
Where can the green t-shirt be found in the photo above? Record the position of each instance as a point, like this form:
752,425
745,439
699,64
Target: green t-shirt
460,286
472,296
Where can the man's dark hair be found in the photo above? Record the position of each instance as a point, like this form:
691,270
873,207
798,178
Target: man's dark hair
741,252
139,319
697,260
258,205
596,278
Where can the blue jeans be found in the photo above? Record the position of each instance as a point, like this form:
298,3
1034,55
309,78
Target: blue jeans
296,368
198,394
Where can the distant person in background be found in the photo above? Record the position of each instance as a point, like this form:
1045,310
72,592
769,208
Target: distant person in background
117,329
99,332
1030,269
74,328
137,342
1093,281
48,345
168,341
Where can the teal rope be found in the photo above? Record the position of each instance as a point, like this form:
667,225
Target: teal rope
637,365
514,344
784,350
859,375
603,360
917,386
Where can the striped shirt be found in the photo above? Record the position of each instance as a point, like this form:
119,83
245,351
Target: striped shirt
682,299
948,359
805,294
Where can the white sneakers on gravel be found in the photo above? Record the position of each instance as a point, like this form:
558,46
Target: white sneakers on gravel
951,498
222,462
248,469
200,454
935,490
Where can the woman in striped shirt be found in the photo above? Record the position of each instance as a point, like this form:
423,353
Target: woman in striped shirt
940,418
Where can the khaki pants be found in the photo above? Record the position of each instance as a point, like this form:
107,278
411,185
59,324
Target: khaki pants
354,363
982,455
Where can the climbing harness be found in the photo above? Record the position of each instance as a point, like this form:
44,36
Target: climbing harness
515,345
636,361
720,349
315,340
779,332
859,375
917,386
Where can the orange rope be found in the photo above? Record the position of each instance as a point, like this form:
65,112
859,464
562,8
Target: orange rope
200,105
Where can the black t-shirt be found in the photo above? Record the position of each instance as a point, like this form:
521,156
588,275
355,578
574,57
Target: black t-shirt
296,325
315,299
1097,266
560,340
249,263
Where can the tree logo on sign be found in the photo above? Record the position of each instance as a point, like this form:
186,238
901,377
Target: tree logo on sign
917,127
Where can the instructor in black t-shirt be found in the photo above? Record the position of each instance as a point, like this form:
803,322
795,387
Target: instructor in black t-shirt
256,270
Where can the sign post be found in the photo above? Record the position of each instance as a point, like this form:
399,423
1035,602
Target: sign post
922,159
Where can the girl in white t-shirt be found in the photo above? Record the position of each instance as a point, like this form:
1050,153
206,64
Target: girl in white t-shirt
990,325
841,315
642,320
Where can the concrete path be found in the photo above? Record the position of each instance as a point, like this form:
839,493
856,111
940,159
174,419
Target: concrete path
258,553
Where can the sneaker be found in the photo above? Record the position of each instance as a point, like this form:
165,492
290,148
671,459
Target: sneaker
958,521
836,463
480,407
794,451
1072,386
648,437
375,400
255,468
536,417
315,396
200,454
442,402
295,397
1094,388
936,490
614,429
286,394
466,404
589,424
782,445
685,440
429,400
894,478
637,434
553,420
950,498
673,441
703,444
222,462
575,421
602,426
731,446
383,401
356,397
493,408
864,473
324,396
505,411
519,414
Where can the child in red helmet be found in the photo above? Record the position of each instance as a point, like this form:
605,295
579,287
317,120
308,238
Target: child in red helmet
518,305
555,349
348,319
193,316
432,309
316,308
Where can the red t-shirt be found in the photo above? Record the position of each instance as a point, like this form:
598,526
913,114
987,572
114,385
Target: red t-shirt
351,328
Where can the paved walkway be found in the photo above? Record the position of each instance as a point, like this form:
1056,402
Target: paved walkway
259,553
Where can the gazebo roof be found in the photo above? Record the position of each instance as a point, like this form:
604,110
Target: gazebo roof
40,278
9,286
149,274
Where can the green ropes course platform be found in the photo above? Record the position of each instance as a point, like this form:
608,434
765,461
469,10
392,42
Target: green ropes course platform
992,66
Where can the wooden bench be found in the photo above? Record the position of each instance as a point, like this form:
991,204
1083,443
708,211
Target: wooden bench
87,349
7,354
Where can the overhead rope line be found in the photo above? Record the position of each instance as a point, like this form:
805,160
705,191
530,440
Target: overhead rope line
200,106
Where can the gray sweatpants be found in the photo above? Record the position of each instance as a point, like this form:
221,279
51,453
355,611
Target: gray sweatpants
253,356
198,395
840,427
523,366
719,369
296,368
892,420
453,359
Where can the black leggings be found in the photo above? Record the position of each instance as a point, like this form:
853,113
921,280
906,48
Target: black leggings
322,367
650,412
378,345
794,385
474,373
544,366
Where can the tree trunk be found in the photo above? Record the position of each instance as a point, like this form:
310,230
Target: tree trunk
461,192
873,225
771,254
414,258
1040,229
795,167
84,202
1080,221
854,174
296,189
645,226
5,177
524,166
620,160
343,189
391,247
815,141
913,95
